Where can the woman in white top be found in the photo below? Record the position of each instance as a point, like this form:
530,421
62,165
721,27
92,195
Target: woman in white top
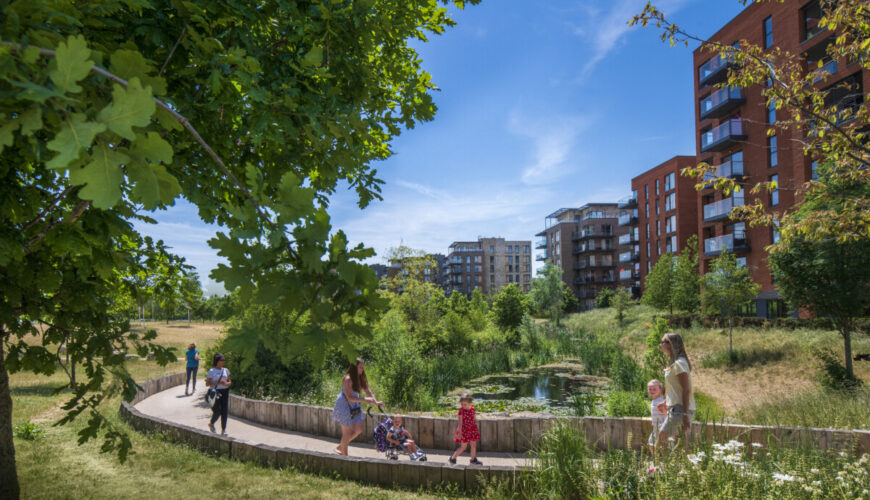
219,378
679,400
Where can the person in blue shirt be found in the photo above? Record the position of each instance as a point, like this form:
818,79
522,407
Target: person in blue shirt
192,356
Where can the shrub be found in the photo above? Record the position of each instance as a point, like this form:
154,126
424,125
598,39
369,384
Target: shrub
28,431
586,404
456,335
654,360
604,298
627,404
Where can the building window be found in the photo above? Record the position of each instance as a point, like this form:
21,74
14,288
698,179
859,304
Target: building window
477,269
671,202
491,279
768,32
671,224
657,206
774,195
669,181
648,254
658,228
657,187
467,259
647,267
510,278
491,268
646,207
528,249
659,248
647,234
771,112
814,170
510,259
774,233
467,268
492,248
771,146
673,243
491,259
646,191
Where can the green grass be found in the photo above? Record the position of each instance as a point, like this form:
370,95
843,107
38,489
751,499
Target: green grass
815,408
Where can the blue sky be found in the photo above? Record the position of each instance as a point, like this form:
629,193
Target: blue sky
542,105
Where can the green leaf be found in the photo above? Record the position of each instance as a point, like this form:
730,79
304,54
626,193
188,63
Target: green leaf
71,63
152,147
34,92
152,185
130,107
76,134
31,120
130,63
7,130
314,57
102,177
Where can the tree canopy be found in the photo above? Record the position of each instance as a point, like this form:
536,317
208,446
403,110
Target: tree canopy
255,113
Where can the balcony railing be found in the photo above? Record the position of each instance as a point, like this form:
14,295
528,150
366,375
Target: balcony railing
629,256
600,263
722,209
626,275
627,202
725,135
734,243
591,234
627,239
541,257
628,219
541,243
714,71
581,265
721,102
731,168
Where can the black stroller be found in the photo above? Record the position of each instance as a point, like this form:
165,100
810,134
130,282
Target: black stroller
383,445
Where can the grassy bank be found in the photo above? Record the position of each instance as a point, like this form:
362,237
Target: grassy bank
774,378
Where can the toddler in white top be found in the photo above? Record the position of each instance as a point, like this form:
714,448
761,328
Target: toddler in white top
656,392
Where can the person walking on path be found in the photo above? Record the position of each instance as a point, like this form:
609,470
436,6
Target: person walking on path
466,430
679,399
348,405
192,357
219,378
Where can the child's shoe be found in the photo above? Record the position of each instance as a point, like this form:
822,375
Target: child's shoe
475,461
452,461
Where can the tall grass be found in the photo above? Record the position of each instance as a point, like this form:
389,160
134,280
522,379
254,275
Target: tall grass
813,408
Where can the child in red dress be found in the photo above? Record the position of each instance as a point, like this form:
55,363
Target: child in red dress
466,430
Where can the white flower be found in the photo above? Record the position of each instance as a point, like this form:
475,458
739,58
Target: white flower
757,445
783,477
814,471
843,454
816,483
841,473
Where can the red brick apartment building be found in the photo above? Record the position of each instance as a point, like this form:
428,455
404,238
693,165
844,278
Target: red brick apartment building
731,125
582,242
661,214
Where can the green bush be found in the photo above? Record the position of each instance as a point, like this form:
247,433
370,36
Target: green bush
28,431
564,466
654,360
604,298
627,404
586,404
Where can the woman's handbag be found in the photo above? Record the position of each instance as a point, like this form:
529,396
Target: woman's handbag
212,395
354,412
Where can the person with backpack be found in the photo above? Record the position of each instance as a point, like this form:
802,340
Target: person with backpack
218,378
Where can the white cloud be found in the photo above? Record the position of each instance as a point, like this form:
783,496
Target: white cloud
605,29
553,139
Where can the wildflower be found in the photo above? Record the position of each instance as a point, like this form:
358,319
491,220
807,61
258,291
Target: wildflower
841,473
783,477
757,445
843,454
814,471
816,483
807,488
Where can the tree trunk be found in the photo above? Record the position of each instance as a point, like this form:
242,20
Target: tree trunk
731,337
8,475
188,317
847,346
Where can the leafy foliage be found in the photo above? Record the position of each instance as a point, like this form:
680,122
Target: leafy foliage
660,284
687,278
509,306
546,293
621,302
255,113
654,360
604,299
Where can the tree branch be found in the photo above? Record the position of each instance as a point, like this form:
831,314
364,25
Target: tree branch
47,209
171,52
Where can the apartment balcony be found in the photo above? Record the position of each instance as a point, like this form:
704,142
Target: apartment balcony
628,219
733,243
629,257
541,243
627,239
724,136
628,275
592,249
721,102
714,71
541,257
582,235
600,264
581,265
722,209
732,169
627,202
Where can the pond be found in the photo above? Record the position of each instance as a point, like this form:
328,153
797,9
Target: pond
547,388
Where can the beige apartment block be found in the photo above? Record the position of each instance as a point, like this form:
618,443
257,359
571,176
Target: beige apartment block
488,264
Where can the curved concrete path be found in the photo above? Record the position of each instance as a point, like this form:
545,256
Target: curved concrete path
172,405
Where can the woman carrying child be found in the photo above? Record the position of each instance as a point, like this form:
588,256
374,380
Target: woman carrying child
466,430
